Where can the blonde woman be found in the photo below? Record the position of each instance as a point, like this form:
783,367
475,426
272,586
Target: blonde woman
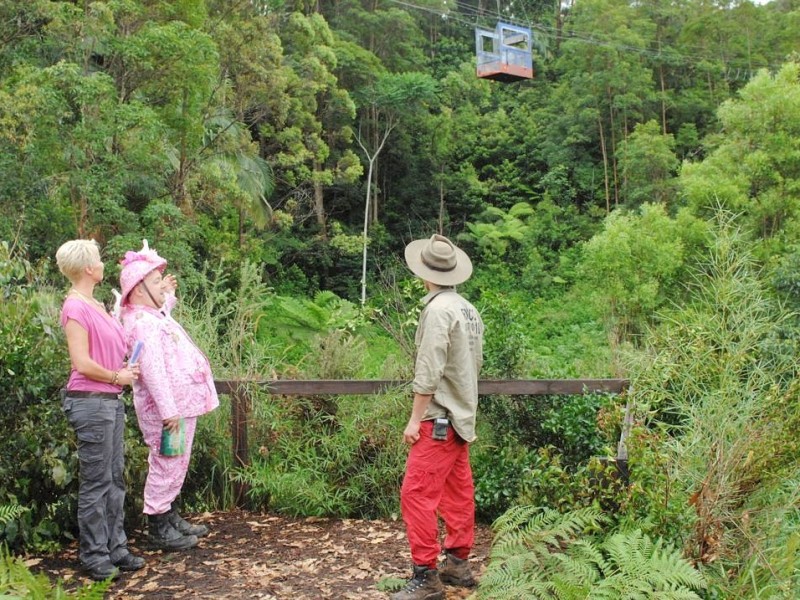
92,404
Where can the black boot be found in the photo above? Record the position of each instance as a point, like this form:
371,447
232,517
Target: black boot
129,562
424,585
165,537
102,572
183,526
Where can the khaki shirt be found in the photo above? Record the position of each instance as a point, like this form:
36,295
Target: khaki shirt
449,344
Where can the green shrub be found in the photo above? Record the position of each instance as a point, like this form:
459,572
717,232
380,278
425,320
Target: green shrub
339,456
504,345
209,482
36,464
716,396
497,468
567,423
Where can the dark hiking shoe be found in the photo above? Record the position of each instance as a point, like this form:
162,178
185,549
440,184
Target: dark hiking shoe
424,585
183,526
456,571
164,536
129,562
102,572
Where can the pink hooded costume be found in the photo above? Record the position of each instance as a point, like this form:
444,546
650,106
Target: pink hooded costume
174,380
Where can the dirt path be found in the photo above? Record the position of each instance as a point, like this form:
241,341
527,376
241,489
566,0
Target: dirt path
250,555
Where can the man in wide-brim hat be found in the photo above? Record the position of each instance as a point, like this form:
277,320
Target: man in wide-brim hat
438,479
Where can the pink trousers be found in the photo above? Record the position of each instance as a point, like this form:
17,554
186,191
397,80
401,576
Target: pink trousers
165,474
438,481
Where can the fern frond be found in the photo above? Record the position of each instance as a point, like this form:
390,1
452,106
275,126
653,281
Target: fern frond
582,564
301,313
538,530
17,581
528,545
509,582
639,568
327,299
538,554
9,512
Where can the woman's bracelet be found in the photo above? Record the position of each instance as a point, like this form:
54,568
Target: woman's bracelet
114,377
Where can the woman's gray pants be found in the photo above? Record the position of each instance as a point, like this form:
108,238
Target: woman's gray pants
99,424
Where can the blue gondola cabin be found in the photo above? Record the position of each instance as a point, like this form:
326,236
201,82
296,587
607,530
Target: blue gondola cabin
505,53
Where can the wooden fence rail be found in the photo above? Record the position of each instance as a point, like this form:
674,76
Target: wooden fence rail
239,391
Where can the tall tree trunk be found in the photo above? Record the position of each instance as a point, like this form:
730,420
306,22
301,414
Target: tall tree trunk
441,200
365,239
559,27
179,189
663,99
372,159
82,212
605,162
612,126
319,206
374,170
241,227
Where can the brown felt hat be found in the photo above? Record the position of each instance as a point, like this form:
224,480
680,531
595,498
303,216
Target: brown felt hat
438,260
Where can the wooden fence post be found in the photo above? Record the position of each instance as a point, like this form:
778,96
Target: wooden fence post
240,418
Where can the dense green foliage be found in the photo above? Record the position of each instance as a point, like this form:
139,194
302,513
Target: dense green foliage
631,211
266,124
718,414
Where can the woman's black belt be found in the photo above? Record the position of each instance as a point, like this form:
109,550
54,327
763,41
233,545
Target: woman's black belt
103,395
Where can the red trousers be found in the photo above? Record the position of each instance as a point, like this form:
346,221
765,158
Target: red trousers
438,481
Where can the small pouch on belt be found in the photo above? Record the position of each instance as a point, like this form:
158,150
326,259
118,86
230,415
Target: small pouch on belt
440,426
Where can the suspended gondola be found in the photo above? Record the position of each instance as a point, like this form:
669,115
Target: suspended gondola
505,53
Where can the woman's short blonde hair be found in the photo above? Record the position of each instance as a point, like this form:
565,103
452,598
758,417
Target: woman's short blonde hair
74,256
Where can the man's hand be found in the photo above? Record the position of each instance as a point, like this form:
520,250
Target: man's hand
421,402
169,284
411,433
173,424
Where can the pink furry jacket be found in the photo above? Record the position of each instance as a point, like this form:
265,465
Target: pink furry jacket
175,376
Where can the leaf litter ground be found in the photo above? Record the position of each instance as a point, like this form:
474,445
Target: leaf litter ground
250,555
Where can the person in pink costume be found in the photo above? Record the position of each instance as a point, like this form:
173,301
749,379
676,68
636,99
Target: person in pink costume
174,387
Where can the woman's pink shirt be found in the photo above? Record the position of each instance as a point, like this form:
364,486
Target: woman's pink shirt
106,344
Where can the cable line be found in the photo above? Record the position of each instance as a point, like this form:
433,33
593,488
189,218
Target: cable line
551,33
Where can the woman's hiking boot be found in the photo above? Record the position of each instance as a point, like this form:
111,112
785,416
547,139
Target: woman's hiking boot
424,585
129,562
456,571
183,526
102,572
164,536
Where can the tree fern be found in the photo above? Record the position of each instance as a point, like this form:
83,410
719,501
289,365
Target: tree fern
300,314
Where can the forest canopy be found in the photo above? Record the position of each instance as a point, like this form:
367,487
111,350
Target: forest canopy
281,133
